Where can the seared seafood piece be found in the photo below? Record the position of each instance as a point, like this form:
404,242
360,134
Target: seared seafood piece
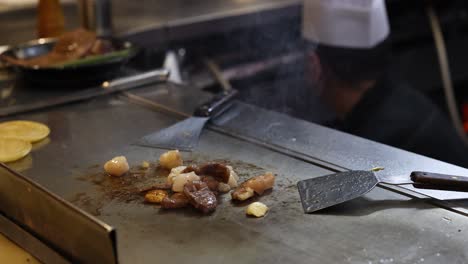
174,173
258,185
170,159
117,166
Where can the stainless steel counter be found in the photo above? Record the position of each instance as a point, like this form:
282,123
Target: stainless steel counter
382,227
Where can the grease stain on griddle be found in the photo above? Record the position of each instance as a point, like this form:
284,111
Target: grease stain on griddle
128,188
87,203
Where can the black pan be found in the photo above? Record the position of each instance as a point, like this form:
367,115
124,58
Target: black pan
69,76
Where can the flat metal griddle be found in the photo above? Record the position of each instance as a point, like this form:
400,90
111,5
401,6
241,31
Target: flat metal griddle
382,225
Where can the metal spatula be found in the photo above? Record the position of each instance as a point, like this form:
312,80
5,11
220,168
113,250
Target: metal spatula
184,134
325,191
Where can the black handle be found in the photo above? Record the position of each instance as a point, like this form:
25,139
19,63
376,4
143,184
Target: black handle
217,105
429,180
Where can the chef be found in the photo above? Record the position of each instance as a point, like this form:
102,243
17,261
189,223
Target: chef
347,62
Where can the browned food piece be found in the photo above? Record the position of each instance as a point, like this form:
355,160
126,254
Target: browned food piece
191,168
157,186
155,196
258,185
211,182
101,46
117,166
242,193
170,159
217,170
70,46
200,196
177,200
75,44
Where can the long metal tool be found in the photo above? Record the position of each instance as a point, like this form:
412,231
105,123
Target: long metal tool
107,87
184,134
325,191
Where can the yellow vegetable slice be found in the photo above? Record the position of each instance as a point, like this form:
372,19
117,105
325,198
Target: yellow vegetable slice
25,130
12,149
257,209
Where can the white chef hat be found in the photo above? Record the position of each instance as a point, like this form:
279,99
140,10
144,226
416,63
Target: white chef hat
345,23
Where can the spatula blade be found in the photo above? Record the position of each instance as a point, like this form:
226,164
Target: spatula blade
325,191
182,135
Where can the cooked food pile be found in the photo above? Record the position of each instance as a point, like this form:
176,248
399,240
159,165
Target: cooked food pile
198,185
71,46
16,138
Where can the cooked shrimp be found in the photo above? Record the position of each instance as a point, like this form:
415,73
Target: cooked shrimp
258,185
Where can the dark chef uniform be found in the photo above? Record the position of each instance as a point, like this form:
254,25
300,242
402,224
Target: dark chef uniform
395,114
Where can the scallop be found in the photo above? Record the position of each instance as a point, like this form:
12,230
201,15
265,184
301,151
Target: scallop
170,159
117,166
180,180
174,173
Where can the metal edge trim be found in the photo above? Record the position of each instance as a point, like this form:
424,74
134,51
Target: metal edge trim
59,199
29,242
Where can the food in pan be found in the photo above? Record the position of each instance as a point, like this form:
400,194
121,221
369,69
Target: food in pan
12,149
117,166
78,47
256,209
258,185
170,159
25,130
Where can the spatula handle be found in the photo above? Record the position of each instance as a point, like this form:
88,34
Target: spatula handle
433,180
216,105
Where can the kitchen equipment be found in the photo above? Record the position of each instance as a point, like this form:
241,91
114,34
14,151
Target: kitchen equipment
96,15
56,223
106,87
325,191
73,76
184,134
